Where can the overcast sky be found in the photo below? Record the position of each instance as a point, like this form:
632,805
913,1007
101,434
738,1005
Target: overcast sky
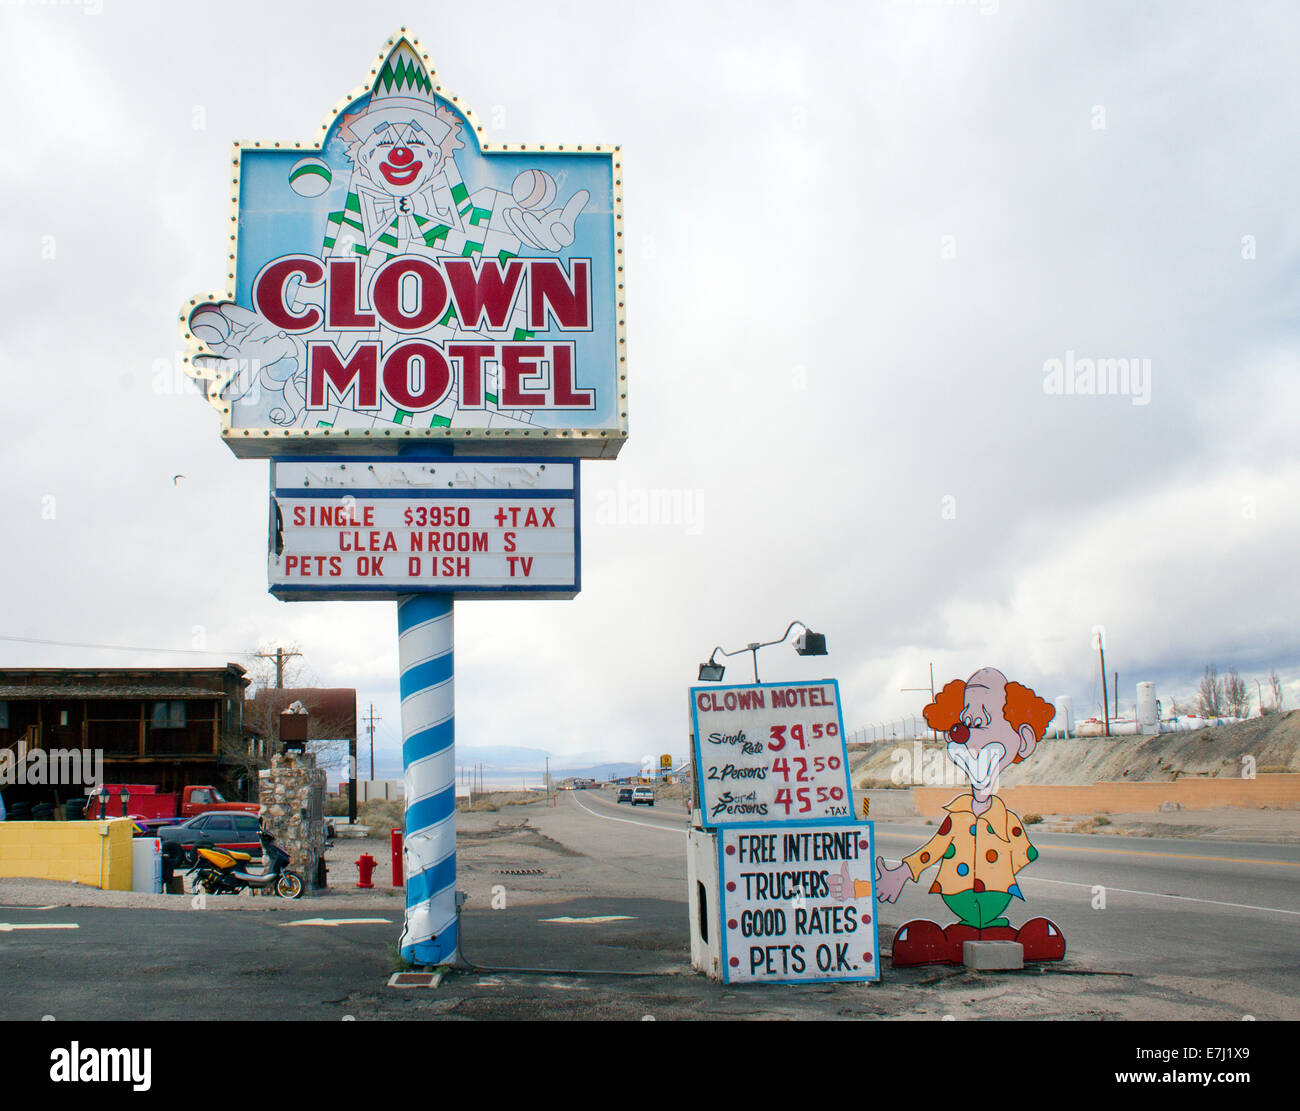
859,235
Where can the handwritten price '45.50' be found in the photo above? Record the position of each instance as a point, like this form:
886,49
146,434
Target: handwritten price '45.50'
778,738
803,795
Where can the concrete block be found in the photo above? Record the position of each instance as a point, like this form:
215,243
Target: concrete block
992,956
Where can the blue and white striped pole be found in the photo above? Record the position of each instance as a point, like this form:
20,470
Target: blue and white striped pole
425,639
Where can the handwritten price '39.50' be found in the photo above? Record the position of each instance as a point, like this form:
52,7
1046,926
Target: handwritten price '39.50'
778,738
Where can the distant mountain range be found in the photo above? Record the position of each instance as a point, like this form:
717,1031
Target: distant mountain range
597,771
511,760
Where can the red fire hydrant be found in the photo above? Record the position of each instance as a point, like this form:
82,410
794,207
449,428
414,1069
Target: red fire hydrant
396,837
366,866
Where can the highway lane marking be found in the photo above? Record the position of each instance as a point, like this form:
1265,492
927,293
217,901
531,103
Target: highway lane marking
1151,894
629,821
1163,895
7,927
595,920
1141,852
20,906
338,922
1174,856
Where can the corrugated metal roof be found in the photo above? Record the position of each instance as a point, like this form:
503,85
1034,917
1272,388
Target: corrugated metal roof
76,691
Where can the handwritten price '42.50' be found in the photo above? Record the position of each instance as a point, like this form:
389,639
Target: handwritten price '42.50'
777,740
821,764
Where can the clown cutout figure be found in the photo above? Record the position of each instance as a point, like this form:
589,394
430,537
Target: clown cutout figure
405,197
981,846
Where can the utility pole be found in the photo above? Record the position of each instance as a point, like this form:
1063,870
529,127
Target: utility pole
905,690
1115,688
370,725
281,657
1105,694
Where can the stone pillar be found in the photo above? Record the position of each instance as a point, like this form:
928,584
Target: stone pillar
293,794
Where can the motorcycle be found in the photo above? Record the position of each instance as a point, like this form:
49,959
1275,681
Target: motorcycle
226,872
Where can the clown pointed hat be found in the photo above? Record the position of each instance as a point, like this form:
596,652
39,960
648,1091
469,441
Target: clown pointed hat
402,93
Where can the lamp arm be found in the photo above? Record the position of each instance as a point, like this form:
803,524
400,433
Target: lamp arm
769,643
762,644
719,648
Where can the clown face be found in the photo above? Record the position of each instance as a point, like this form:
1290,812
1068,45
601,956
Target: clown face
399,158
983,742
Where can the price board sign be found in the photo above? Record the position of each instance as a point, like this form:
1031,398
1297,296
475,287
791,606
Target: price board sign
798,903
366,529
770,752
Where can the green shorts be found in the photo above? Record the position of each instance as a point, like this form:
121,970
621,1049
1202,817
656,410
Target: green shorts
979,908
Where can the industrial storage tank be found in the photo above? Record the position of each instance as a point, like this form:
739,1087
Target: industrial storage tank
1064,721
1148,716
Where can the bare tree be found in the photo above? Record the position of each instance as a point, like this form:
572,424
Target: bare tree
262,714
1275,689
1236,699
1209,695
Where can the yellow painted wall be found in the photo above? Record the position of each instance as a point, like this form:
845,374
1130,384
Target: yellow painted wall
1281,790
94,853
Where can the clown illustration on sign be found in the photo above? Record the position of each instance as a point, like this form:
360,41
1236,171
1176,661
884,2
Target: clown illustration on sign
981,846
403,281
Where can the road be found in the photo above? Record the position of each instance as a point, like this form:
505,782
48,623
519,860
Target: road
1189,929
1173,909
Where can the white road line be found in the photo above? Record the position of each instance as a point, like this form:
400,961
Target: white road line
338,922
1149,894
629,821
9,927
591,921
1162,895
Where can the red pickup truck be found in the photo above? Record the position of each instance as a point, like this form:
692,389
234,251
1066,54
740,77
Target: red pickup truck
152,809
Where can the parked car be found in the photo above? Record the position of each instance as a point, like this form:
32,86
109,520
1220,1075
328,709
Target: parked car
643,795
625,794
221,830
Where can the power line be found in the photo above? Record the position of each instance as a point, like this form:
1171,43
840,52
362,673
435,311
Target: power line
120,647
281,657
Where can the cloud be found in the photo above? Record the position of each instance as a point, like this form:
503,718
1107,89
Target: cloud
855,239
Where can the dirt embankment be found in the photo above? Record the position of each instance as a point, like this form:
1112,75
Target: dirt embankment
1272,742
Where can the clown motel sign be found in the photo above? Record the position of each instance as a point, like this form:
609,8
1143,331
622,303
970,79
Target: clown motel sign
770,751
377,528
798,903
424,332
399,282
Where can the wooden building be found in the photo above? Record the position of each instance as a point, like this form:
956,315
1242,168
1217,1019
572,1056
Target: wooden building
172,727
